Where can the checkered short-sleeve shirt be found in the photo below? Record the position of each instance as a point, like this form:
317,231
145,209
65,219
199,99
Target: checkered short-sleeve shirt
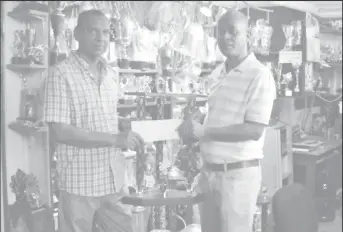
74,97
244,94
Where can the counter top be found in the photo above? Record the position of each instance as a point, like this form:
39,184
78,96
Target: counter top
326,147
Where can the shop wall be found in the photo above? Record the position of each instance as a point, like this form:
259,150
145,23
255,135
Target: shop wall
21,152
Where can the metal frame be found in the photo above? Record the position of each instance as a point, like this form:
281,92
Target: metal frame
3,162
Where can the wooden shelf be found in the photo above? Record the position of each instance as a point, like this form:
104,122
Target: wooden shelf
26,130
26,68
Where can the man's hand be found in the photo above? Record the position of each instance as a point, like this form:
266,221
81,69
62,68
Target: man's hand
198,129
124,124
129,140
191,129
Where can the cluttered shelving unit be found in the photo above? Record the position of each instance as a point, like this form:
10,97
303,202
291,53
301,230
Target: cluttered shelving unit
30,62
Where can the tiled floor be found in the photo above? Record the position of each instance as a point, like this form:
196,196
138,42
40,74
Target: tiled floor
335,226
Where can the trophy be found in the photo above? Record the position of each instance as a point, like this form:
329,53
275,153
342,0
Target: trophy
30,43
254,37
266,35
57,23
28,105
278,72
296,66
288,31
287,78
18,48
125,28
297,32
160,85
26,189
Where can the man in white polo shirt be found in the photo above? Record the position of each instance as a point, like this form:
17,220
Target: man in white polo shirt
232,136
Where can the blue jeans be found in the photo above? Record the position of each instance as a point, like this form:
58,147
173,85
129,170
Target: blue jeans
231,198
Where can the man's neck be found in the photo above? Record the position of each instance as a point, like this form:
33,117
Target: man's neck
89,59
233,61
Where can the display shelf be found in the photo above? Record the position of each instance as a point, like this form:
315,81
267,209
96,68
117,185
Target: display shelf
26,130
136,71
151,104
335,64
26,68
178,95
328,30
171,198
31,5
27,16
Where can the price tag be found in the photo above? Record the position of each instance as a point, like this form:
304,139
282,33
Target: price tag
291,57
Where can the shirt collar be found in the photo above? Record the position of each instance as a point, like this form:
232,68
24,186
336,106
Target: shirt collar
245,64
102,62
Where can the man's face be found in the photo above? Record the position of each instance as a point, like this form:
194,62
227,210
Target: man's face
94,36
232,37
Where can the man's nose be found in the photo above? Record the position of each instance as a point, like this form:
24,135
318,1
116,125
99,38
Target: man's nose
227,35
100,36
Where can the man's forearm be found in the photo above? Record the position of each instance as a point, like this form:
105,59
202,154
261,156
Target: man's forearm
70,135
233,133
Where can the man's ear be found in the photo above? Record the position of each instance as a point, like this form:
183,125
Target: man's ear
77,34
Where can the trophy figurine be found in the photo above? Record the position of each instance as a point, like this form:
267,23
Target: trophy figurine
288,31
57,23
297,32
18,48
30,35
266,36
296,66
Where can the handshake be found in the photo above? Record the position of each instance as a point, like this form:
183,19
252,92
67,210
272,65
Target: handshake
191,129
127,139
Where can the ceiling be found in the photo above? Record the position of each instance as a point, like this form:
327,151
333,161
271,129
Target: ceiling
328,9
323,9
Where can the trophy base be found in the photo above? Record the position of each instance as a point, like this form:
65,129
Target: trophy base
123,63
207,65
21,60
142,65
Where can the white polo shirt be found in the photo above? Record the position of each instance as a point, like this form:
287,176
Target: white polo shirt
244,94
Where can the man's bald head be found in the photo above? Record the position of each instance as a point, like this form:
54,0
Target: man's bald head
232,31
86,16
233,17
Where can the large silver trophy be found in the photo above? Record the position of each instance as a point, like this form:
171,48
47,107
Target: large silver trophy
289,33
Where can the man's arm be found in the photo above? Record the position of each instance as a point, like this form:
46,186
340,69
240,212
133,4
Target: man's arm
57,114
73,136
257,116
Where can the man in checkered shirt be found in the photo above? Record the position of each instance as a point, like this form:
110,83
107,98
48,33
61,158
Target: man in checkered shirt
232,135
81,109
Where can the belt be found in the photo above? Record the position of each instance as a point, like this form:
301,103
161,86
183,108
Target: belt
230,166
